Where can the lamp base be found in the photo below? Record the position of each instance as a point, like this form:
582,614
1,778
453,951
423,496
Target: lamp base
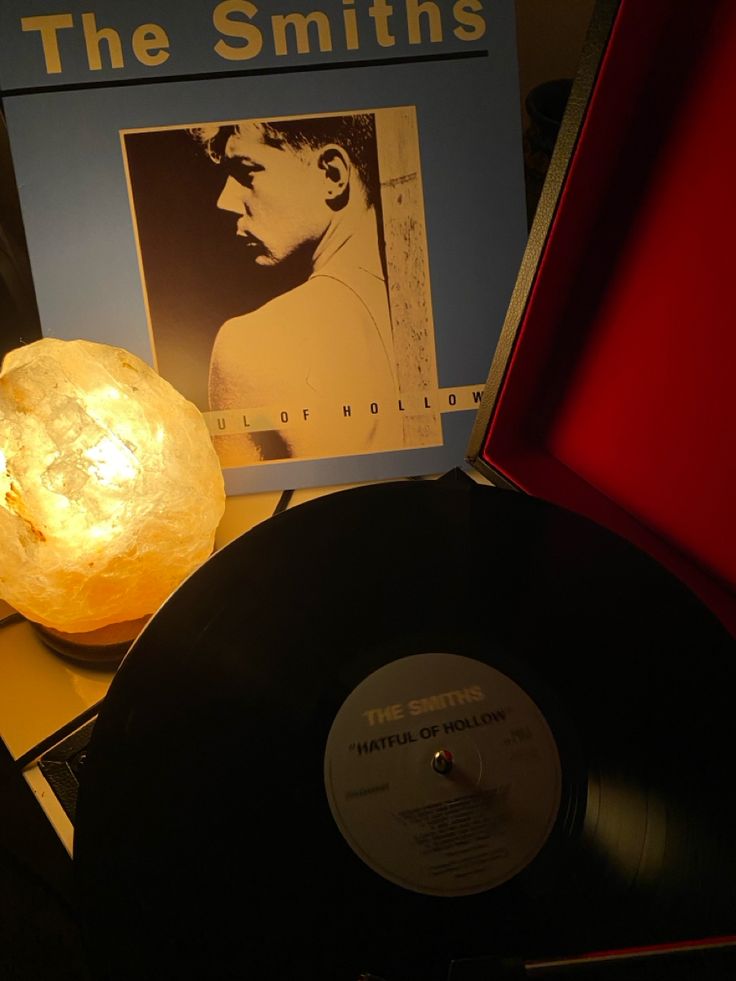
104,647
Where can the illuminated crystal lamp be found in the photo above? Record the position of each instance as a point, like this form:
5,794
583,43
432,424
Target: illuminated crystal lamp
110,493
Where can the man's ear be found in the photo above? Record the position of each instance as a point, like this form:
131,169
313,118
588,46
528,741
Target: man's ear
335,165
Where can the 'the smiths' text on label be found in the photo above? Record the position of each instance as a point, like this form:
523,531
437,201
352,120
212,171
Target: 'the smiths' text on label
419,706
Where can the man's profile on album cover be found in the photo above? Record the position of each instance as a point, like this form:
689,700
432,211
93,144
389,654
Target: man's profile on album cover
305,201
308,187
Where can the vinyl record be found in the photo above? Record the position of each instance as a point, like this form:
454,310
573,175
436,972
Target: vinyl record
404,724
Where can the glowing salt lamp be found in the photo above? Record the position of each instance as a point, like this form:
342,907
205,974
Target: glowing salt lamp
110,489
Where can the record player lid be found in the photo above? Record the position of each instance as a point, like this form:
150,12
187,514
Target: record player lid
611,392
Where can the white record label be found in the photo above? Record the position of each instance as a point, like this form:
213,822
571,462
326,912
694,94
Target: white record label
442,774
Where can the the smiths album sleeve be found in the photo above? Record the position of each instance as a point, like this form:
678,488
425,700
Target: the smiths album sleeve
306,214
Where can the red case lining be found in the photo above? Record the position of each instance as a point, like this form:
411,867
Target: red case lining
618,400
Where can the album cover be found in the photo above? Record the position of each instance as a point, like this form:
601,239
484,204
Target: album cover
308,217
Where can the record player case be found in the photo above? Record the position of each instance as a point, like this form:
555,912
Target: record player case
612,389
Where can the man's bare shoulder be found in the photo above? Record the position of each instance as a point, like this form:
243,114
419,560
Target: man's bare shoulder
301,339
311,307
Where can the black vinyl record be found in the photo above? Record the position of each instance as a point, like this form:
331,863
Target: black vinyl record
405,724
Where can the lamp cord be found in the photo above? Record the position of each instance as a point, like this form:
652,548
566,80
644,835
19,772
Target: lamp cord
284,501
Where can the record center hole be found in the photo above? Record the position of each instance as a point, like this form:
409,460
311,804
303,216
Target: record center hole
442,761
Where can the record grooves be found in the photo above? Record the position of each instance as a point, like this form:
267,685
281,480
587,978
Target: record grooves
261,800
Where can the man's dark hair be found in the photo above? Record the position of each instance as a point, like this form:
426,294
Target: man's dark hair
356,134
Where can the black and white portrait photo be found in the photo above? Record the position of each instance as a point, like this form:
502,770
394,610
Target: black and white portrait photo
286,279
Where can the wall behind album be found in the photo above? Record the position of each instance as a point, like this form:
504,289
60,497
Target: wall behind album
19,322
550,35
